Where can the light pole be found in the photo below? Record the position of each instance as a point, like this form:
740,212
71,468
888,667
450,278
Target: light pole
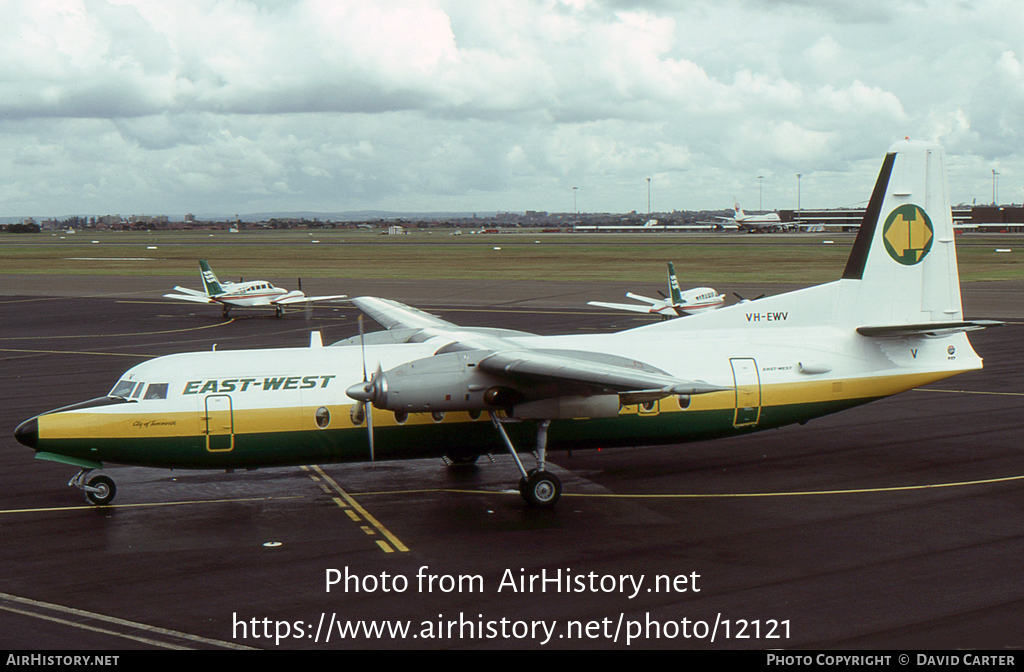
760,200
798,196
994,174
648,198
575,219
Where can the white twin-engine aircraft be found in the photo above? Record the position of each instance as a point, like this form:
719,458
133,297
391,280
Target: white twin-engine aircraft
891,323
246,294
677,304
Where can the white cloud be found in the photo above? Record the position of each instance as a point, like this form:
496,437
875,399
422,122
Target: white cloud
238,105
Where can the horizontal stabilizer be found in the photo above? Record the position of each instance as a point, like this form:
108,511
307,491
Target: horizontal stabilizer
926,329
636,308
202,298
645,299
186,290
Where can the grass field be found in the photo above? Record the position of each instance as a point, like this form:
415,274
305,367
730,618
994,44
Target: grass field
699,258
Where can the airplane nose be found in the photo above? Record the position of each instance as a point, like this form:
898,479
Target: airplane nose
27,433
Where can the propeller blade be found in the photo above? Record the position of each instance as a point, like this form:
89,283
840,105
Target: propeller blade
362,346
300,284
368,413
663,294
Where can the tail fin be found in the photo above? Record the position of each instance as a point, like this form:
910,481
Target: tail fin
673,285
737,210
210,281
903,269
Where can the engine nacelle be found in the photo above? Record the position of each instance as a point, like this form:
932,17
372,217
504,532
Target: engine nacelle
441,383
567,407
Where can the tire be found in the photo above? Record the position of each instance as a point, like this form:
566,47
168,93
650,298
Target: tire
541,489
107,490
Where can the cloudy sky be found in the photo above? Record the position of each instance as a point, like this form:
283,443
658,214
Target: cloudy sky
239,106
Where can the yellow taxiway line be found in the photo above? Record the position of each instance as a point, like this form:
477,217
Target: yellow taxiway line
356,510
721,495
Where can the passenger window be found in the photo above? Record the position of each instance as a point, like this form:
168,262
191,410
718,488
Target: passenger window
123,388
156,391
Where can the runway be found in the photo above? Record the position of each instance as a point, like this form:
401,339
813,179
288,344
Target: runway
895,525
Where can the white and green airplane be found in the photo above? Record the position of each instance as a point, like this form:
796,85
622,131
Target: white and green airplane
246,294
891,323
676,304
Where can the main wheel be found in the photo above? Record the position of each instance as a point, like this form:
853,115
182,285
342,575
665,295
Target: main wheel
105,490
540,488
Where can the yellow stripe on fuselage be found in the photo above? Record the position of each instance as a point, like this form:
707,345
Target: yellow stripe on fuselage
92,424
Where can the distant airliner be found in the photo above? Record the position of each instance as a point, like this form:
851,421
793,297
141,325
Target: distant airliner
745,221
245,294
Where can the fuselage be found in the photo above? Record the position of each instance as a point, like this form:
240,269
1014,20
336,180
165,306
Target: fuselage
251,408
255,293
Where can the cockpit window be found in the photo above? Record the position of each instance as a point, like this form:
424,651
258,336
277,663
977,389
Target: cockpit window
156,391
123,388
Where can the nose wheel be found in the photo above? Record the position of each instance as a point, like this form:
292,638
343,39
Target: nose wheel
99,490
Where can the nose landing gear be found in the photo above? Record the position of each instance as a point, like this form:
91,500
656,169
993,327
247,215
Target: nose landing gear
99,490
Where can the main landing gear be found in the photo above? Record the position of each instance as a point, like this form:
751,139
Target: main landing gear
99,490
538,487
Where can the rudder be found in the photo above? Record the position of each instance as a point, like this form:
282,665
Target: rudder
902,268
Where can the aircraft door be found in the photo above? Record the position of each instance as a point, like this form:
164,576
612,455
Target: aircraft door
748,392
220,423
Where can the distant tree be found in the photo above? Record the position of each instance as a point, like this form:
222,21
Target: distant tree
22,228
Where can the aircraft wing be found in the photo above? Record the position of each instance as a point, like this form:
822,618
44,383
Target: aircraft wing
559,372
202,298
392,314
289,298
614,373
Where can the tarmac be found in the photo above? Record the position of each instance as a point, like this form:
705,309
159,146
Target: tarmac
895,525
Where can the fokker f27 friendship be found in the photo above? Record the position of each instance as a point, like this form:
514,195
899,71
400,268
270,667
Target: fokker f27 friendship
891,323
247,294
677,304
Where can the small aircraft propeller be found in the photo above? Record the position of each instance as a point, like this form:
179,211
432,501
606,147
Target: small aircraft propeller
366,391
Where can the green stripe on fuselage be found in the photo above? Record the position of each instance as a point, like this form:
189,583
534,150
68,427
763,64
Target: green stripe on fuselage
395,442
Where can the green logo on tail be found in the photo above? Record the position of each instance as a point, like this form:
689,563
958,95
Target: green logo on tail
908,234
